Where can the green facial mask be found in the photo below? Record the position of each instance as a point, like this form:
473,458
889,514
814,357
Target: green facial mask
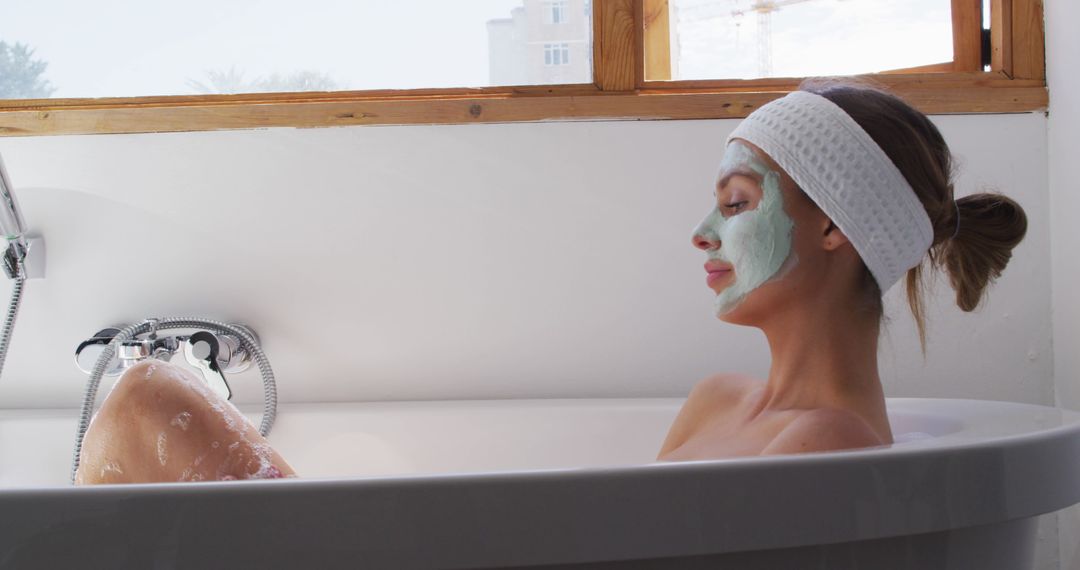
755,242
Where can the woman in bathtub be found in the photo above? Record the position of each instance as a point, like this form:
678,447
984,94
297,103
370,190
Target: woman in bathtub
825,199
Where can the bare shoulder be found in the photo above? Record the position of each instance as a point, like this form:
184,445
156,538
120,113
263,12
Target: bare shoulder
717,393
723,386
823,429
708,397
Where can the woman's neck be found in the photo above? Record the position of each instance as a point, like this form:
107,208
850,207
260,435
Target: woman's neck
823,355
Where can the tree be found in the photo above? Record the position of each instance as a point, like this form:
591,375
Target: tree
232,81
20,74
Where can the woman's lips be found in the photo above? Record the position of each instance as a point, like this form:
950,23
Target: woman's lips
716,271
715,276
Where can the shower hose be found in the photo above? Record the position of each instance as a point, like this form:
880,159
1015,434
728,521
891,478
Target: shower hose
9,320
246,340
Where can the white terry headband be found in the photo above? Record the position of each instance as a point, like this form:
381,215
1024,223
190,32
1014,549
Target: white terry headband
848,176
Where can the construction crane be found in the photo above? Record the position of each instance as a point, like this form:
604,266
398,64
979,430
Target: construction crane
764,9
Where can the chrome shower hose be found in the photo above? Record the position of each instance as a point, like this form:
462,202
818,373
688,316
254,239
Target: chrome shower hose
248,342
9,320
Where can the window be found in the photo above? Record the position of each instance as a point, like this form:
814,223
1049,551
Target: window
556,54
739,39
631,60
76,49
710,40
555,12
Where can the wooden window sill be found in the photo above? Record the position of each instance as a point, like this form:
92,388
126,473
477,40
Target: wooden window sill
933,93
622,90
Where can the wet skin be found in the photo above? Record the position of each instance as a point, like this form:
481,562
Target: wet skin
162,423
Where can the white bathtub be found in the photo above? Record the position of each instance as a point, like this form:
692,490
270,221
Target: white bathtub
556,482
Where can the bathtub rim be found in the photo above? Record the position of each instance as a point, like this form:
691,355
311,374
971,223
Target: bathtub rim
692,506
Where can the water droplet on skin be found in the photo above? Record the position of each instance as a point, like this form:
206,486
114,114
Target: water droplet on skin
111,467
182,421
162,452
262,450
214,444
150,370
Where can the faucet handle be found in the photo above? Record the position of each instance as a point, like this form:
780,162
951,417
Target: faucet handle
201,351
212,354
86,355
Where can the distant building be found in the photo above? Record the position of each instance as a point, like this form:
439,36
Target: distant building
542,42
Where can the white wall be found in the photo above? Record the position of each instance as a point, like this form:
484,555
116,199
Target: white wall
495,261
1063,79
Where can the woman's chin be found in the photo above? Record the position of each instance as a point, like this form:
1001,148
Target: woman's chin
725,304
734,316
733,310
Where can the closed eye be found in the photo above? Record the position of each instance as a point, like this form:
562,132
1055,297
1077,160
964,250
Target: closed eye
736,206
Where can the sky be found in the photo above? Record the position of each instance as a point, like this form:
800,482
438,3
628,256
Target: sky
149,47
124,48
810,37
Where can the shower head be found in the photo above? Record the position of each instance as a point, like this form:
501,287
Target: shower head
11,220
16,251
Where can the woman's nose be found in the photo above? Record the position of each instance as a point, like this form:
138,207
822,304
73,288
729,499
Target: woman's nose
704,243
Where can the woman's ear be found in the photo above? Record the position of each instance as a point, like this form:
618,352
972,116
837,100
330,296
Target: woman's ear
833,238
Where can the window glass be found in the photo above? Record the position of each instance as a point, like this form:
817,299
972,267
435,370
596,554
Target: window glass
746,39
556,54
555,12
131,48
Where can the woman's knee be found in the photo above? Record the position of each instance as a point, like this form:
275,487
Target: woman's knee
162,423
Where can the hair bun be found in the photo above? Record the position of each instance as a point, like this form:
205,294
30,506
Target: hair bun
989,227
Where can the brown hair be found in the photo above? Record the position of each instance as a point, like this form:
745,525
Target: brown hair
973,253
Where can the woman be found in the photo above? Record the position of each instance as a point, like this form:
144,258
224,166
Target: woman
825,198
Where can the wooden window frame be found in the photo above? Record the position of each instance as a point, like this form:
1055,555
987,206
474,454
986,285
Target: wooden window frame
1016,82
